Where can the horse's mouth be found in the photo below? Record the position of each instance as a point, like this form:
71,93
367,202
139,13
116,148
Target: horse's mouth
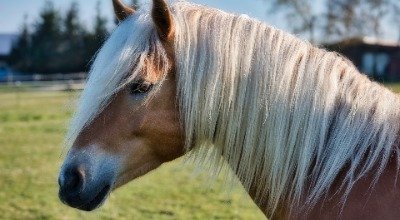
76,201
97,201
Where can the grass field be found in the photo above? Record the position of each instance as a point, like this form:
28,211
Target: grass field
32,125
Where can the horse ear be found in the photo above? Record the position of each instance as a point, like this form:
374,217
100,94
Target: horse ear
163,20
122,11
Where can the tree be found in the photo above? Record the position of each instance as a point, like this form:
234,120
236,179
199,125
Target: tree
20,53
46,41
58,44
355,18
72,26
95,40
100,26
338,19
73,47
395,12
301,14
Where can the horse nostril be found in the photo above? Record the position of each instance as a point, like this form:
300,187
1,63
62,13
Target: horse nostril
73,180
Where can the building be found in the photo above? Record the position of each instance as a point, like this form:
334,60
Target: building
378,59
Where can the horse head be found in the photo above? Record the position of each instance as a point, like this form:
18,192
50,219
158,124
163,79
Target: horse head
134,127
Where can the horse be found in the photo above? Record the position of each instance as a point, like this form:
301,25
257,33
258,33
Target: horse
306,134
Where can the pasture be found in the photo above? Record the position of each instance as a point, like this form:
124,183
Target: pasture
32,125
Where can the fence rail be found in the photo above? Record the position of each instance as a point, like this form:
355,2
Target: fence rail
12,77
50,82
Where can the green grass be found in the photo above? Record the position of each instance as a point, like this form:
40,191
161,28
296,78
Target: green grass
395,87
32,125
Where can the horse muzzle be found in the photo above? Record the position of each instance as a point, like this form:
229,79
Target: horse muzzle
85,182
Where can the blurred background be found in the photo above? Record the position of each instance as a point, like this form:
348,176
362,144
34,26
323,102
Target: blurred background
46,48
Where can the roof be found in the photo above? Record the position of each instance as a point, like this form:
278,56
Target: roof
382,42
366,42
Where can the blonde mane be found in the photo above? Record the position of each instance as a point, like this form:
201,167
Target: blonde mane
286,116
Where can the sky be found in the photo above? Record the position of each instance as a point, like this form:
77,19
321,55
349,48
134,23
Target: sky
12,12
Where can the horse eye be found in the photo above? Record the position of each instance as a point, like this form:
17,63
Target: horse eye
140,88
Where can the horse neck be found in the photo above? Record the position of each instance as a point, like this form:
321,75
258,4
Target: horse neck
279,110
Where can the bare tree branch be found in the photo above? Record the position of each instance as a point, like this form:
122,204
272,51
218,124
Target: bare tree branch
339,19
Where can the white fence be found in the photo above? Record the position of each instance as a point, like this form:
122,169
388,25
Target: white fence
73,81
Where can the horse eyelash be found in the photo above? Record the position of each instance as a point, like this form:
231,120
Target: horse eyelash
136,84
